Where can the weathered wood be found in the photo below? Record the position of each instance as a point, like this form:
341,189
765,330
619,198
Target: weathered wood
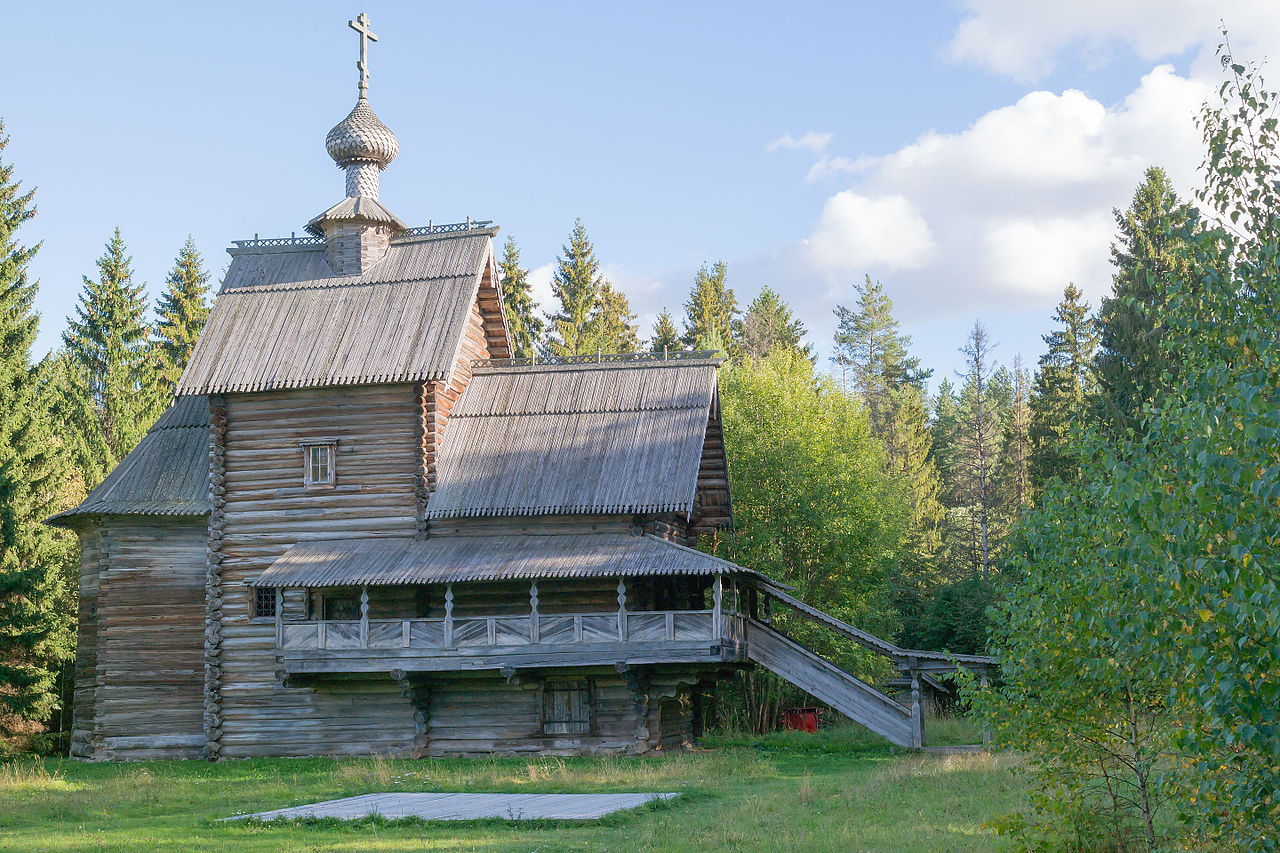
851,696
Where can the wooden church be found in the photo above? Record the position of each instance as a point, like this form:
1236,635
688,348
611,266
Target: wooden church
363,527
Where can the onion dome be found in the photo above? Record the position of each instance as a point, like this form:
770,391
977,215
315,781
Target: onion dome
361,137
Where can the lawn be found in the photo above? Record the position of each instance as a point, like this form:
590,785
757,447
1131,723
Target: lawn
839,790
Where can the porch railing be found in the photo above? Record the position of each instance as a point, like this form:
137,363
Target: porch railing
462,632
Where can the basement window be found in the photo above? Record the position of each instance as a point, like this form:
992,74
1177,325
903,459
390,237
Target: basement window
264,602
566,707
317,464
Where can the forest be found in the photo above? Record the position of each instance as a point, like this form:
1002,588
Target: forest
1105,522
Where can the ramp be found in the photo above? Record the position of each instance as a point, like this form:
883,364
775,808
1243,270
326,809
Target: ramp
822,679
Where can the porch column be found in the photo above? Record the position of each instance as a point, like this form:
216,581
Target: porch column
279,617
364,617
917,713
622,609
717,599
533,612
448,616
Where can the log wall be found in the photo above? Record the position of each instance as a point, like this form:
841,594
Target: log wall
634,712
140,660
378,434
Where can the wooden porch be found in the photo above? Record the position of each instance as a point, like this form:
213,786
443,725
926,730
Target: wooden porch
499,641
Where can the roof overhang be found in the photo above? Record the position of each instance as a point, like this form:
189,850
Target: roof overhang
454,559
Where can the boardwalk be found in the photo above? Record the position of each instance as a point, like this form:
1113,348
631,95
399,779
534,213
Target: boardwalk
460,806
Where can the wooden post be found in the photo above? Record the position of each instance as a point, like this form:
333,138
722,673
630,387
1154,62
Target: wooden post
406,633
986,730
622,609
279,618
364,617
917,713
491,629
322,634
717,599
448,616
534,631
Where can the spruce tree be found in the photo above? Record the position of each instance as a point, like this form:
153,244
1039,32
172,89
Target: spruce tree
1013,472
665,337
980,429
517,300
769,323
711,309
612,326
107,353
180,315
35,628
1150,256
1063,385
576,285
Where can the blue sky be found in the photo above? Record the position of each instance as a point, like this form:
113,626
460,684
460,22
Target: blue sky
967,154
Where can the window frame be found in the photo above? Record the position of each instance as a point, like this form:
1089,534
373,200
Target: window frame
260,595
330,447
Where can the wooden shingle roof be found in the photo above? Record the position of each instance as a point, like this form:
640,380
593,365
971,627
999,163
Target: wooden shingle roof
283,320
452,559
166,474
614,438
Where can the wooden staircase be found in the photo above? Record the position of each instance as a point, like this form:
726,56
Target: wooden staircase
823,680
898,723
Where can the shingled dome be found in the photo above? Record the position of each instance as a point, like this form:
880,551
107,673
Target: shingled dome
361,137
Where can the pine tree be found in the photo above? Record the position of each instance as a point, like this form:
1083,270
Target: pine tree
870,351
665,337
35,630
180,315
769,323
1149,257
1063,384
107,353
576,286
517,300
612,326
711,309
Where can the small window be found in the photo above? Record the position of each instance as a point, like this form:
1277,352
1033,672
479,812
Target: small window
317,465
566,707
264,602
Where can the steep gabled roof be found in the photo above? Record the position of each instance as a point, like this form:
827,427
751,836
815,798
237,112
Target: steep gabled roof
283,320
166,474
614,437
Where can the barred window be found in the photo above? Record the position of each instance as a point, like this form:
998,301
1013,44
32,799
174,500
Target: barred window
317,465
264,601
566,707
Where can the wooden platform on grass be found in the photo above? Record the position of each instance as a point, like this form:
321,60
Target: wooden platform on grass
462,806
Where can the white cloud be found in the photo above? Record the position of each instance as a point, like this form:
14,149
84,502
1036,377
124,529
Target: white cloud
1024,40
998,216
858,231
1037,257
540,281
810,141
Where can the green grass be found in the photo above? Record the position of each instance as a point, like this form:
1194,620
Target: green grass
839,790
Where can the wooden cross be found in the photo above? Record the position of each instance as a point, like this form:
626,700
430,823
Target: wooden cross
361,25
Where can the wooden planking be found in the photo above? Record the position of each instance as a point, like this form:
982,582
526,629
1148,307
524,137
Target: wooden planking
166,474
538,440
149,656
851,696
387,560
